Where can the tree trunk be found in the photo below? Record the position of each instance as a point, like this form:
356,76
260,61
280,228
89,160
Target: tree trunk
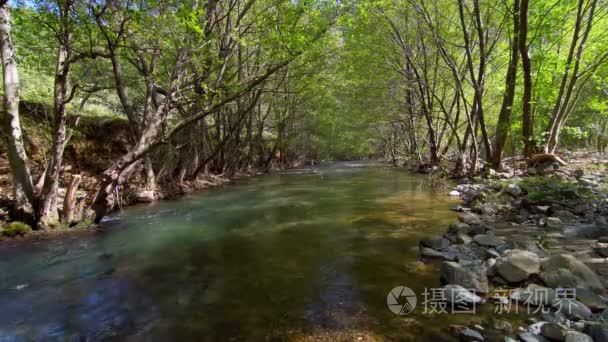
48,215
569,80
527,124
504,117
69,202
23,188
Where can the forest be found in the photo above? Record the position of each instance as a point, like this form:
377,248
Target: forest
304,170
236,86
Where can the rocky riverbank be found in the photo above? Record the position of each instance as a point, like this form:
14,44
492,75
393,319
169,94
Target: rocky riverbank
536,240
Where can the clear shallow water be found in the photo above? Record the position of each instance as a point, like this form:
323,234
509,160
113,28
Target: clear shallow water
299,255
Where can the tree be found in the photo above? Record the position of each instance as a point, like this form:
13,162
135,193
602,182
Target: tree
23,189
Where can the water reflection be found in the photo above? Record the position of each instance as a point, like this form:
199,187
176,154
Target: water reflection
301,254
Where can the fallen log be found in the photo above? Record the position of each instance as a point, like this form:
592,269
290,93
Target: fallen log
542,158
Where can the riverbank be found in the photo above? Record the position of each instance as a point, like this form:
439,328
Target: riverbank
532,239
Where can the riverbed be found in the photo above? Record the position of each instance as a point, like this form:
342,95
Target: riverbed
303,254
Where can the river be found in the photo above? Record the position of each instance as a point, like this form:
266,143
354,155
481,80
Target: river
303,254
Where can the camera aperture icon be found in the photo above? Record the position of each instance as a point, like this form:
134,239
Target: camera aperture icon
401,300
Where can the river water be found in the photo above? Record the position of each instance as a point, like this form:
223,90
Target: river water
304,254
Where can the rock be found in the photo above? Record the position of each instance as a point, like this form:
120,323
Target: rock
470,335
553,223
478,229
459,228
549,169
555,316
463,239
487,240
573,309
575,336
518,265
492,253
582,209
591,300
532,171
488,209
467,253
530,337
469,218
454,193
564,270
534,295
536,327
435,254
601,251
145,196
460,209
465,334
459,295
597,331
578,326
603,239
470,277
564,215
436,243
502,325
513,190
541,209
553,332
586,231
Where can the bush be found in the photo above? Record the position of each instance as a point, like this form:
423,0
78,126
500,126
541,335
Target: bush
16,228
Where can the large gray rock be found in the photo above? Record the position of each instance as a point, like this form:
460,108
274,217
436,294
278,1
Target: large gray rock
518,265
553,332
553,223
572,308
564,270
470,277
530,337
465,334
575,336
534,295
555,317
597,331
469,218
458,295
513,190
436,242
590,299
459,228
601,251
488,240
470,335
430,253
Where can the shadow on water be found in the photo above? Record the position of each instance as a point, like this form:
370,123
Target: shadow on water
302,254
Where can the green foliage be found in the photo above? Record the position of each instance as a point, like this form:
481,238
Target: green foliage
549,187
16,228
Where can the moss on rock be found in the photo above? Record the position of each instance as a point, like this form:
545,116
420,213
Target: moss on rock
16,228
